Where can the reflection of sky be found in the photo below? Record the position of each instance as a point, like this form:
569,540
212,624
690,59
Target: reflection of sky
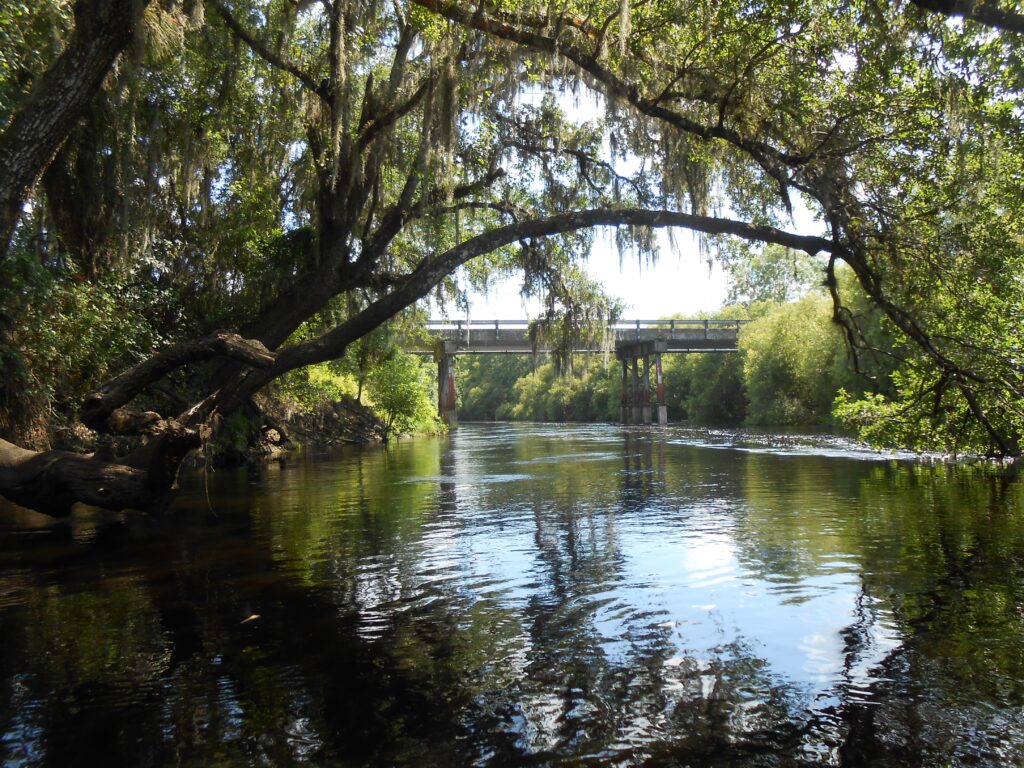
714,601
593,551
678,571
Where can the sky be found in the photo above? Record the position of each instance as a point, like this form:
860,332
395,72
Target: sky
680,282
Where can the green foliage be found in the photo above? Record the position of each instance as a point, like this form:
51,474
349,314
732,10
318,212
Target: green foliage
794,363
203,188
604,385
400,390
70,335
706,388
509,387
772,273
235,434
791,363
485,383
372,350
30,36
926,413
591,393
709,388
577,313
315,386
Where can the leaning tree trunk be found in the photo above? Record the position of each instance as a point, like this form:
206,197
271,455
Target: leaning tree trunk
103,29
51,482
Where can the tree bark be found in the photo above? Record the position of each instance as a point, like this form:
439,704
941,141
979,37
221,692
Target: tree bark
101,406
103,29
987,13
52,481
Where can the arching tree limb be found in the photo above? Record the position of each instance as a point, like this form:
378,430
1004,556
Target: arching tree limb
433,269
99,407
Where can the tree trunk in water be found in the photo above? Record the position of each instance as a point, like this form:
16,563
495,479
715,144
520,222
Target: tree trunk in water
52,481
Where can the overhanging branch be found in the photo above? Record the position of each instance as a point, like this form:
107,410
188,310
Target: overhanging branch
433,269
99,406
268,55
987,13
505,27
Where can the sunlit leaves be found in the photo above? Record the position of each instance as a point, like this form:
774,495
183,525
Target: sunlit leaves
31,34
399,389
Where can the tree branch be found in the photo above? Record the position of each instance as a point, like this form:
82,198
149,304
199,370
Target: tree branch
98,407
103,29
433,269
773,160
375,125
268,55
983,12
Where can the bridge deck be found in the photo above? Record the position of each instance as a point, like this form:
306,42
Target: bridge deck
513,336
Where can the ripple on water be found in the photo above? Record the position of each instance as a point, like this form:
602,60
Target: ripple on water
541,595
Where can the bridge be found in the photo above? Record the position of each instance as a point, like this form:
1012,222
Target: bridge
638,345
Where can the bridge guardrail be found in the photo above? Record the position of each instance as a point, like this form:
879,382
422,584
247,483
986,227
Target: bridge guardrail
493,336
619,325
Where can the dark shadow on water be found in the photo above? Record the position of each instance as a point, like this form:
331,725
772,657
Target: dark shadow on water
395,607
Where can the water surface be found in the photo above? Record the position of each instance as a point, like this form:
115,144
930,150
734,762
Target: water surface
529,595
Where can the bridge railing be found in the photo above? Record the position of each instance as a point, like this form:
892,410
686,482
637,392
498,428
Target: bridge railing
513,336
619,325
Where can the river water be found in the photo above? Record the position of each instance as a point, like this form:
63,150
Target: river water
529,595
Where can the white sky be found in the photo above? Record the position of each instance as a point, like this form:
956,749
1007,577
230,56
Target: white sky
680,282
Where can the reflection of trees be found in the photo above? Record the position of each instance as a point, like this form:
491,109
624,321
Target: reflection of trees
446,677
933,653
953,689
603,676
297,683
792,513
643,469
377,642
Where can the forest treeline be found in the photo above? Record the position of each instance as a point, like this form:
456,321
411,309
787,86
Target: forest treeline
793,366
211,206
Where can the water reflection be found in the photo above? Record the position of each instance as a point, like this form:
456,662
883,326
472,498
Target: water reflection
529,596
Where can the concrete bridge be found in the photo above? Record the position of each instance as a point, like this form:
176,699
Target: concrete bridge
638,345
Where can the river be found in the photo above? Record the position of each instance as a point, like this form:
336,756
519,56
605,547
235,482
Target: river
529,595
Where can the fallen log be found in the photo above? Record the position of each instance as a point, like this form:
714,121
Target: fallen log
52,481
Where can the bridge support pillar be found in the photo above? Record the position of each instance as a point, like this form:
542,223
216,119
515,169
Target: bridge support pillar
662,404
643,392
645,396
635,411
624,399
446,403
